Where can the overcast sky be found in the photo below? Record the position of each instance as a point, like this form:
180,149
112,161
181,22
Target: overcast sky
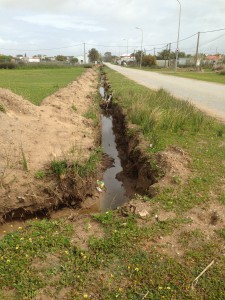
54,27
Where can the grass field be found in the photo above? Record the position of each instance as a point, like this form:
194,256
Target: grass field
36,84
47,260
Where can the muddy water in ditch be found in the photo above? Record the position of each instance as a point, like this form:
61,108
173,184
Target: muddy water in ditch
115,192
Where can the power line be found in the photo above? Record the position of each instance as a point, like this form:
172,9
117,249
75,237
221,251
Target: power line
208,42
212,30
43,49
120,46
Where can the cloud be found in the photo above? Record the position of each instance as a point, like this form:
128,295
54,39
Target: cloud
62,22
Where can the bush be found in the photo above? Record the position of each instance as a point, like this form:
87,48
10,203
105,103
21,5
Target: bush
222,72
148,61
7,65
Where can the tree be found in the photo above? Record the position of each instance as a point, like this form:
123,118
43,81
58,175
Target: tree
6,58
73,60
108,57
93,55
61,58
148,61
138,56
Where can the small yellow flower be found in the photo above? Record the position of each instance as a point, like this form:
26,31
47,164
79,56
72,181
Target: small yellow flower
128,267
4,231
168,288
84,257
26,255
85,295
20,228
66,252
78,276
120,289
17,247
22,238
160,288
11,226
136,269
111,275
8,261
30,239
115,231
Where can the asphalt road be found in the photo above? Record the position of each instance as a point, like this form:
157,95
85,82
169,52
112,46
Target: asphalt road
207,96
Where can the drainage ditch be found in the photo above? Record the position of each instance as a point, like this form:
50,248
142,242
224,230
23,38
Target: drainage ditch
130,173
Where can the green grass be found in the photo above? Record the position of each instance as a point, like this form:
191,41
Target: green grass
42,257
63,167
2,108
166,121
36,84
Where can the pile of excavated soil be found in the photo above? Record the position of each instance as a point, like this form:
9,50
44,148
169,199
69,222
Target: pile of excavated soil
32,136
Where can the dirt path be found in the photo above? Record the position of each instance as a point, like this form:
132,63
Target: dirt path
209,97
33,136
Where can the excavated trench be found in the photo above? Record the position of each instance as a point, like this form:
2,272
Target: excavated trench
127,170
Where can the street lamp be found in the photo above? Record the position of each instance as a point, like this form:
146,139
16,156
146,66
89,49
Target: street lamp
178,36
141,44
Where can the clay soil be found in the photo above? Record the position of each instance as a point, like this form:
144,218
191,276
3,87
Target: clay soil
34,136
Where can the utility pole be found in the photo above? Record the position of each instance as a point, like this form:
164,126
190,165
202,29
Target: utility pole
166,54
178,37
84,54
169,54
196,55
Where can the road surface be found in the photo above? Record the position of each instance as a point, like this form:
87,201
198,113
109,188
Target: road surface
207,96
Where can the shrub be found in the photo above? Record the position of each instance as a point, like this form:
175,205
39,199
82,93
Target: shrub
148,61
222,72
7,65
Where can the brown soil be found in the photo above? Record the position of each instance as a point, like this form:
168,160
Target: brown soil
33,136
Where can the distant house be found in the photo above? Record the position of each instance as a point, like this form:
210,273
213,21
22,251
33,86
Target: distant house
125,58
212,58
81,59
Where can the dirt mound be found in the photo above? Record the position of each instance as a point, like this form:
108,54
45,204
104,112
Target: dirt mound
32,136
15,104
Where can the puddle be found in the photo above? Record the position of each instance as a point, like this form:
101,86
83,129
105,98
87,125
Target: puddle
115,192
102,91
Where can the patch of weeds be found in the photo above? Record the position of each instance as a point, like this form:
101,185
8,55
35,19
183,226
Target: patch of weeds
221,233
19,249
176,179
90,165
2,108
220,132
62,167
24,160
59,167
40,174
74,108
90,114
191,237
222,198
